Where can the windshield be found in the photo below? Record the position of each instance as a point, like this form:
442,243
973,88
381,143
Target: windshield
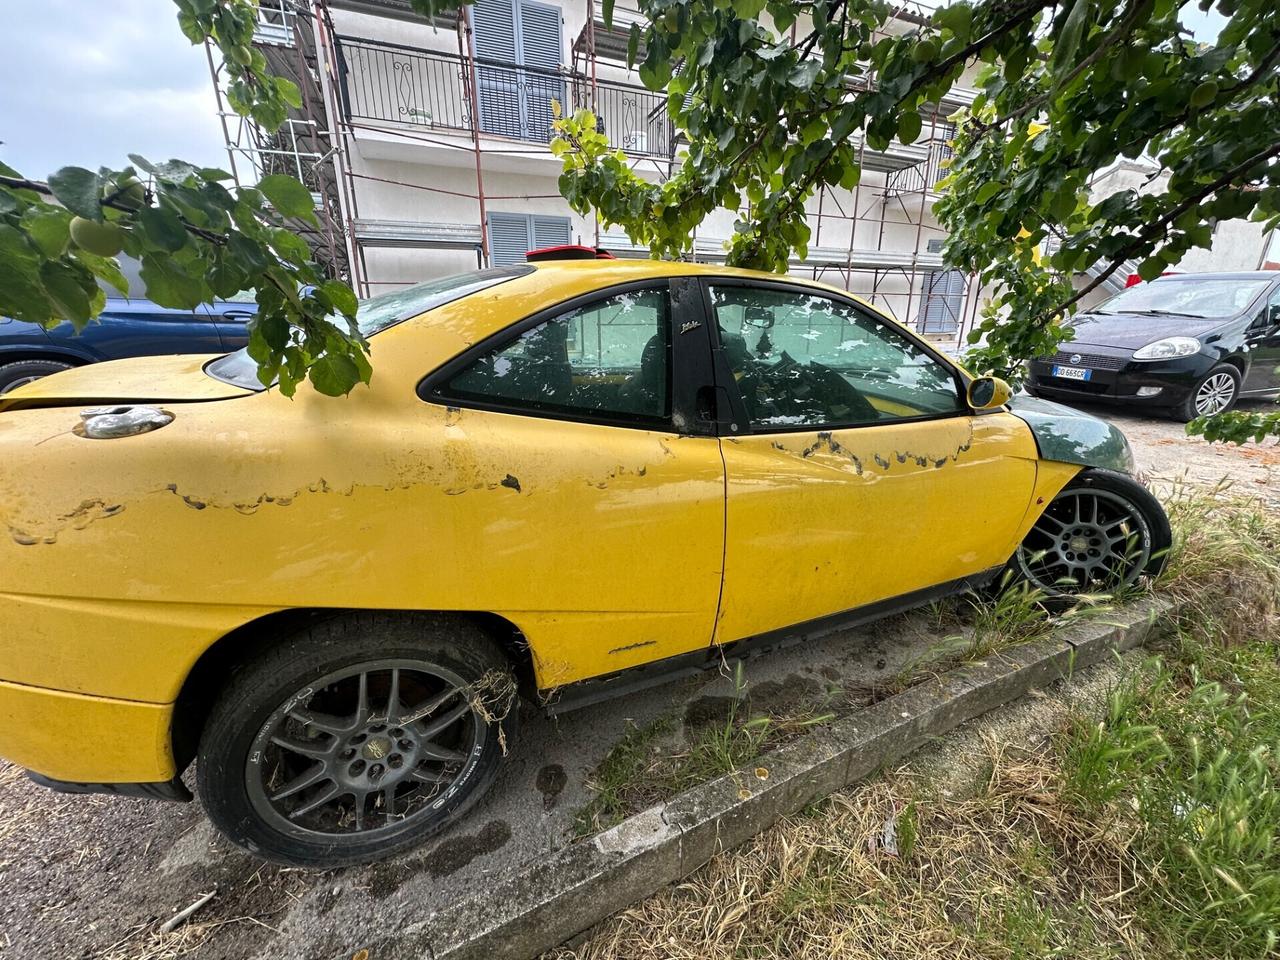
378,313
1215,298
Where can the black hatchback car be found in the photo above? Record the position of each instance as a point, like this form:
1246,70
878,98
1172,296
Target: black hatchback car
1187,344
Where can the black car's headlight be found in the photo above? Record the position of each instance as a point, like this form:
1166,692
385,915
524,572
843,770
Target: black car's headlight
1168,349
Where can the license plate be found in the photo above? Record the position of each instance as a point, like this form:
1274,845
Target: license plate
1073,373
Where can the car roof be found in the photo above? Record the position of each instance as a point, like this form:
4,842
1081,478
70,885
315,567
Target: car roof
655,269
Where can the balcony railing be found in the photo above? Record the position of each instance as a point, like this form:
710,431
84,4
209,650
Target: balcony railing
388,83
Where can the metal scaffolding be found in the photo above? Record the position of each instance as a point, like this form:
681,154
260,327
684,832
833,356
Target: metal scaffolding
355,87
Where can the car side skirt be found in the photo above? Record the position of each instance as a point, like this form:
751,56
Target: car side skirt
584,693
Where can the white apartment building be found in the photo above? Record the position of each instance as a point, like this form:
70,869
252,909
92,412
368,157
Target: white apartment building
427,147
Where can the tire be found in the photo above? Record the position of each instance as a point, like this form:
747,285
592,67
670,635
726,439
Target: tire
21,372
1071,551
287,749
1209,389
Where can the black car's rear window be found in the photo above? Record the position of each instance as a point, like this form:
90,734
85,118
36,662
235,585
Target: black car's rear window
378,313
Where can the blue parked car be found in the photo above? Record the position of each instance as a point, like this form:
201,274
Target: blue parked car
127,327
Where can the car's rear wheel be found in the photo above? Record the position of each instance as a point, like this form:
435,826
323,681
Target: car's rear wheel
21,372
1098,535
357,739
1216,393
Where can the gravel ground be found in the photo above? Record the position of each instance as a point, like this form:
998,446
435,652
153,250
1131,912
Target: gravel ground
93,877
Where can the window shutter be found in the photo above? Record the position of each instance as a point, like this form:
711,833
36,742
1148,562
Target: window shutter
498,80
941,303
540,53
550,231
509,238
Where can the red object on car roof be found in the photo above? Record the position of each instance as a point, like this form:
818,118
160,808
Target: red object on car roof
569,251
1134,279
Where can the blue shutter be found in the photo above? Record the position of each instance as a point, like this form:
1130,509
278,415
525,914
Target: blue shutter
497,80
509,238
550,231
540,53
941,302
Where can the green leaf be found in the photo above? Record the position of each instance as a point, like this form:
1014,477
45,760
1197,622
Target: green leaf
104,268
606,11
48,228
68,290
633,45
1151,268
909,125
1067,43
803,74
987,191
78,190
169,285
287,195
340,295
162,228
334,375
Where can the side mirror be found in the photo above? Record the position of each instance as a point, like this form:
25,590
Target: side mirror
987,393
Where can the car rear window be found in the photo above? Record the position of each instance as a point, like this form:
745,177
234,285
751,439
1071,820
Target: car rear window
378,313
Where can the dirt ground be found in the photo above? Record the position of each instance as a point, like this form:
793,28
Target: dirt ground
92,878
1166,455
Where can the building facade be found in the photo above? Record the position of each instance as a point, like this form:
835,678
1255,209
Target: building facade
427,148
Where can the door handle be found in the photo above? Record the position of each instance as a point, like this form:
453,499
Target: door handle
236,315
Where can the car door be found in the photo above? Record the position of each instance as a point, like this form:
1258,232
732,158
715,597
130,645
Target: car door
1263,341
137,328
594,507
231,317
857,473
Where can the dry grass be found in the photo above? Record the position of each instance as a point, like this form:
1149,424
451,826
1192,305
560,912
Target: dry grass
1009,873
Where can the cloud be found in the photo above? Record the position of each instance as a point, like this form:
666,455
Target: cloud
85,82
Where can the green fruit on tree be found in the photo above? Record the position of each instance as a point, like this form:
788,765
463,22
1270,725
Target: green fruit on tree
128,192
104,239
1204,94
924,51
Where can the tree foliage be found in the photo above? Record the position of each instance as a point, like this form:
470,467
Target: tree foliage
773,96
194,238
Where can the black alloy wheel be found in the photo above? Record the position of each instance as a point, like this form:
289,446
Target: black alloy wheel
1098,535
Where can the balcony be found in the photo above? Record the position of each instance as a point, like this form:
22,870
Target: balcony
384,83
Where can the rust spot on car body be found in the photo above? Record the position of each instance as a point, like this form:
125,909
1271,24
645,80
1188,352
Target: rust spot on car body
634,646
510,482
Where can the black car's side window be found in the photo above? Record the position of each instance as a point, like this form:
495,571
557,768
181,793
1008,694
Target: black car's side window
609,358
805,360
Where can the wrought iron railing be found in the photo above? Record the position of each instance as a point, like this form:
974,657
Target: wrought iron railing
389,83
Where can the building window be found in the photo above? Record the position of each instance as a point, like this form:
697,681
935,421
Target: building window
512,235
941,302
518,49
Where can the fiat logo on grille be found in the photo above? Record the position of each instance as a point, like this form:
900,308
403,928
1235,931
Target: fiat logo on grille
1076,358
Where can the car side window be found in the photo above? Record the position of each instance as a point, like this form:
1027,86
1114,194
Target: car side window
802,359
609,358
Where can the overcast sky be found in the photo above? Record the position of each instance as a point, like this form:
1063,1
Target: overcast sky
87,82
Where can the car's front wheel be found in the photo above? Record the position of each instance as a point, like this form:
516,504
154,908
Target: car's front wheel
1101,533
1217,392
357,739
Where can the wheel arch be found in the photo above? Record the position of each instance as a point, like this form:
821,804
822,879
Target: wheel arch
21,355
211,671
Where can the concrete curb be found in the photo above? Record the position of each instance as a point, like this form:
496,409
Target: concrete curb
582,884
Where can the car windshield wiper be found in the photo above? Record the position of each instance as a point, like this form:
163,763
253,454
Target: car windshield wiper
1167,313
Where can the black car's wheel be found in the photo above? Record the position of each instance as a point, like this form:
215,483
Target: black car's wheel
357,739
21,372
1216,393
1099,534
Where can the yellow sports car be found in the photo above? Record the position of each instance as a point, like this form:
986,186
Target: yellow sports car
568,478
